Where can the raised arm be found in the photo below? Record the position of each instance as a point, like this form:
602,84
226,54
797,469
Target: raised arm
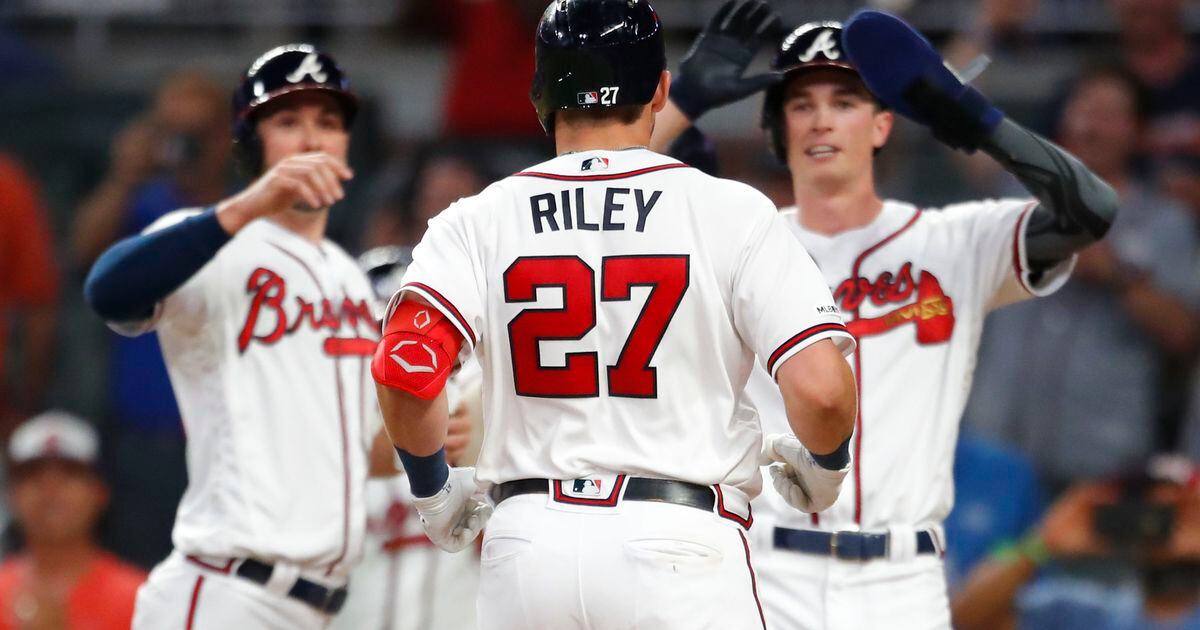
710,74
901,67
135,274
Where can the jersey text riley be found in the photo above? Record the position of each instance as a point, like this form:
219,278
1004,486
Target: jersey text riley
566,210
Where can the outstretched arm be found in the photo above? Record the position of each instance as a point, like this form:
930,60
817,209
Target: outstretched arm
1075,207
904,71
710,75
135,274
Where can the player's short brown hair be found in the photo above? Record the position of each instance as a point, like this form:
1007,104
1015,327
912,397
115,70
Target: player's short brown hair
624,114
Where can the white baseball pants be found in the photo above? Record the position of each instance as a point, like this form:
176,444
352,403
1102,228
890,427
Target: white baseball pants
638,564
181,595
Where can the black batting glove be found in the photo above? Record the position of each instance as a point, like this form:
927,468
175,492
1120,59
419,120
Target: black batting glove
710,75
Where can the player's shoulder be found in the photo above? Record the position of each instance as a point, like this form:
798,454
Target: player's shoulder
735,189
171,218
978,209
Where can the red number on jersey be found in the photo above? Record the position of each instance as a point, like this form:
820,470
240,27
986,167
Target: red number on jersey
578,282
632,376
668,278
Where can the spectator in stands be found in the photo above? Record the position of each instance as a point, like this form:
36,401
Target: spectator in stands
437,179
1149,523
28,296
175,155
62,579
1156,48
1081,393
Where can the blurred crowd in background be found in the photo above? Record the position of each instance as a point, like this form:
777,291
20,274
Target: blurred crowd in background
114,113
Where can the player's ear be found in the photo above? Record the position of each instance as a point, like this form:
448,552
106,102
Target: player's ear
661,92
884,119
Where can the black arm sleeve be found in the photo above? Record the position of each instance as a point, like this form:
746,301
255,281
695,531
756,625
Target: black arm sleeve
135,274
1075,207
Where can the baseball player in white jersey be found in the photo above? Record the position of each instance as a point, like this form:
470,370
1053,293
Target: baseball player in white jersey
913,285
267,329
616,300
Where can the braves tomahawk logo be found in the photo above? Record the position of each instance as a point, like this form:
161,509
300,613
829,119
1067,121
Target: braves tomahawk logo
823,44
268,321
932,313
310,66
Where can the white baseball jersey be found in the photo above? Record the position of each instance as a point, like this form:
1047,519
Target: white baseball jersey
914,287
616,301
268,349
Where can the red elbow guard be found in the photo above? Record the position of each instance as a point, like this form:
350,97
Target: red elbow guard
417,350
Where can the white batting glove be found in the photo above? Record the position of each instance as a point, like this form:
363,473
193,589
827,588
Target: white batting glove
803,483
454,516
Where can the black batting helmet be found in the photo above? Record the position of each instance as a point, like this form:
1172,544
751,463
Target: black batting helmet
283,70
812,45
596,53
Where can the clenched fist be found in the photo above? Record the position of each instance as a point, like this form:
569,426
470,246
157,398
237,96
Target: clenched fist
310,181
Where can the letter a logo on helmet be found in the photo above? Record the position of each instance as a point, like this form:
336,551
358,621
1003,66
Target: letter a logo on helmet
310,66
823,44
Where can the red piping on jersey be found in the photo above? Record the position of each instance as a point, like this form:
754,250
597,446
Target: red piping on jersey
799,338
341,404
600,178
1017,246
753,580
211,567
191,616
447,304
858,422
733,516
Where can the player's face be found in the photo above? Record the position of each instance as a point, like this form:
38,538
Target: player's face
833,127
302,122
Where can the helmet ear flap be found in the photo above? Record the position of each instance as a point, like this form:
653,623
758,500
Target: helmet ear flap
248,155
773,124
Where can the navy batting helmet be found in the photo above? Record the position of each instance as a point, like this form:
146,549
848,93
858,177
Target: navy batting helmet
283,70
812,45
596,53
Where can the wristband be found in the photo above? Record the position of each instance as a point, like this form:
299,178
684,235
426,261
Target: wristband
836,460
426,475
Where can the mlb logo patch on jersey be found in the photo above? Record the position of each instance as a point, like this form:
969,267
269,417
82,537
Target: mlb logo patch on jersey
588,98
594,164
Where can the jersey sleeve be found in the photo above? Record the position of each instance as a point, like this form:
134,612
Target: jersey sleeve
446,274
781,304
187,301
992,235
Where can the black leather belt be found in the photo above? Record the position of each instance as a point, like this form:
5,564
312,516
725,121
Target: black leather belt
636,489
324,599
844,545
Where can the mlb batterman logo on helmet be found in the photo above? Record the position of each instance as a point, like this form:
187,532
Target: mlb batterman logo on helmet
596,53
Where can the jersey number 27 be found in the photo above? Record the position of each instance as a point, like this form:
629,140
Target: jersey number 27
632,376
